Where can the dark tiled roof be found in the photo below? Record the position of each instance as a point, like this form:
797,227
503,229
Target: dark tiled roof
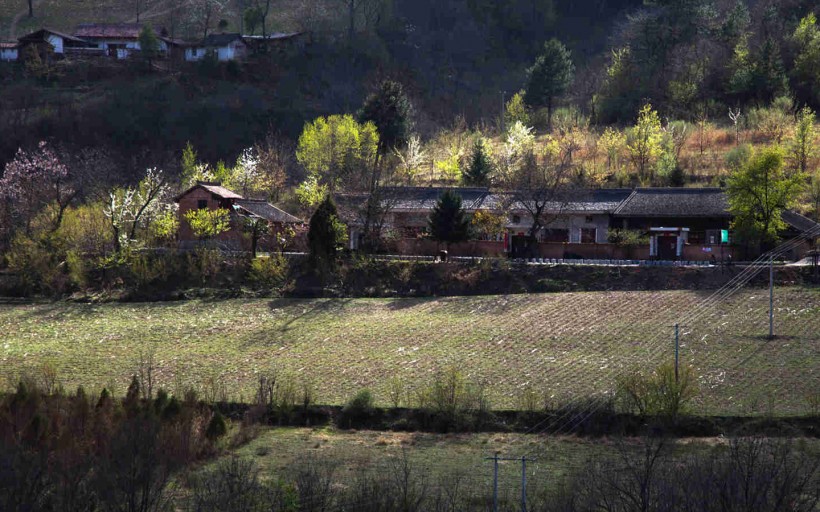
675,202
220,39
266,211
174,42
425,198
108,30
800,222
39,35
214,188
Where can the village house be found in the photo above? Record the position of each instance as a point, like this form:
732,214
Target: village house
225,47
690,224
214,196
50,43
119,40
9,51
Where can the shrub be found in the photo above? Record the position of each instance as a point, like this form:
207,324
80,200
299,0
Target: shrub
658,394
358,409
216,427
267,273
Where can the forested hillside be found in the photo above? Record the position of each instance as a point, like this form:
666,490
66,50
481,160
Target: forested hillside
463,92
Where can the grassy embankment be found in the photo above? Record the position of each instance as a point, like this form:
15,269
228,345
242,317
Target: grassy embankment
560,346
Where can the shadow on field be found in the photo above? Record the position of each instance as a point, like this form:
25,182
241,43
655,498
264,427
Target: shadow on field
305,309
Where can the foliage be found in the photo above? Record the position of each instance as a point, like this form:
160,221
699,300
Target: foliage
759,192
149,44
801,147
359,407
269,272
537,177
310,192
806,72
245,177
132,208
34,179
326,235
453,398
773,121
411,159
480,170
613,141
488,223
253,18
448,222
658,394
206,223
216,427
644,142
549,77
390,111
627,237
338,151
515,110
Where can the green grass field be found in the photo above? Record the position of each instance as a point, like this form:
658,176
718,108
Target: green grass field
563,346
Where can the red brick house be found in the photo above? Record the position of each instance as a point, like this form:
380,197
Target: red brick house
214,196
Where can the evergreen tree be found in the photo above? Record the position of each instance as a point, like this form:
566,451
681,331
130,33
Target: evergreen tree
769,76
550,77
390,110
448,222
325,235
149,44
480,168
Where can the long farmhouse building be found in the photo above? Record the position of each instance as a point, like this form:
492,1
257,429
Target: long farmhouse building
676,223
688,224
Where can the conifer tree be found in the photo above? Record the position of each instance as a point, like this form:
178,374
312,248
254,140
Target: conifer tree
448,222
480,168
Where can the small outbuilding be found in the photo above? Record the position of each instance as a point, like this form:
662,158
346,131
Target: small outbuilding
225,47
213,196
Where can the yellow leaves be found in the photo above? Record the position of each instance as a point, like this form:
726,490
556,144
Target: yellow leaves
336,147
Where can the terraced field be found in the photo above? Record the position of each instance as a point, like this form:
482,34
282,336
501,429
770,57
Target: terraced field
563,346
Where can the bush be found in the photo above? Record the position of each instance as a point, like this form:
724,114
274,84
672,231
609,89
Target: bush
358,409
658,394
216,427
268,273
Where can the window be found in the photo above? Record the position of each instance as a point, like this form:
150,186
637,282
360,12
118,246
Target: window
202,204
589,219
516,219
588,235
555,235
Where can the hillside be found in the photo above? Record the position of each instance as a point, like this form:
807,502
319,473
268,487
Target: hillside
558,347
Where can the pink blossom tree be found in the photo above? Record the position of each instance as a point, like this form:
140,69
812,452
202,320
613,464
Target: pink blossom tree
34,180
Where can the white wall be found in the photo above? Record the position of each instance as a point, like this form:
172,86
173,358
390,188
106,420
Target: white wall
8,54
56,42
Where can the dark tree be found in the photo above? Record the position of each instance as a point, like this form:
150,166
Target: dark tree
325,235
448,222
389,109
480,168
550,77
769,76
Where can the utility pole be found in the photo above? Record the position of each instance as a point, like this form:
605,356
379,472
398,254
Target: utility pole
677,350
495,458
771,297
503,111
495,481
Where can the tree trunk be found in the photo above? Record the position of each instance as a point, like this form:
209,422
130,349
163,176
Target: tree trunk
30,8
351,13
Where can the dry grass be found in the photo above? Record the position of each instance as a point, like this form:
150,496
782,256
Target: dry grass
563,346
